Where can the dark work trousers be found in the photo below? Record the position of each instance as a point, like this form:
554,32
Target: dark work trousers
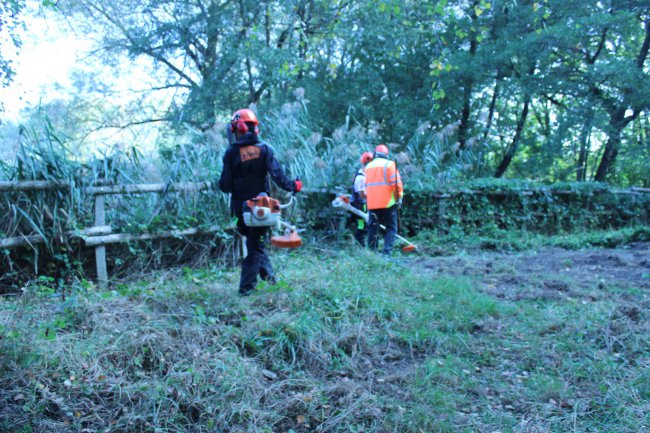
387,217
361,228
257,262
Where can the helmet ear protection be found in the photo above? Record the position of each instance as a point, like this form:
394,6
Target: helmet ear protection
240,126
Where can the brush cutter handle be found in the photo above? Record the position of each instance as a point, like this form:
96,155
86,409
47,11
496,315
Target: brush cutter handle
289,203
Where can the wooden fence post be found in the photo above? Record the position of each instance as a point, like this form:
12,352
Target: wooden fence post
100,250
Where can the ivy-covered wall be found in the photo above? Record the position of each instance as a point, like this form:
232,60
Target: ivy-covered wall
483,206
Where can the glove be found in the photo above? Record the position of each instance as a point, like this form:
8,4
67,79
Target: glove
298,185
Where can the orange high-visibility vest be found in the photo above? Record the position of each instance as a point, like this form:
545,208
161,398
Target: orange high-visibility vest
383,184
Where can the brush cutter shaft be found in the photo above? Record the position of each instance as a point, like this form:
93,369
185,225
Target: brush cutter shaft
287,225
348,207
401,238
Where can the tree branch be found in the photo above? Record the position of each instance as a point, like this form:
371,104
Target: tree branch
643,53
144,49
592,59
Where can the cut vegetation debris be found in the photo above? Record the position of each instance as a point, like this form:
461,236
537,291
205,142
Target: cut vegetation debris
555,340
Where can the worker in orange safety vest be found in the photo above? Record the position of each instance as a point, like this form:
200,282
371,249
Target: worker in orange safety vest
384,192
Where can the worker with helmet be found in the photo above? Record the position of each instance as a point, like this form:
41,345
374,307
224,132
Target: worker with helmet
246,166
384,192
358,199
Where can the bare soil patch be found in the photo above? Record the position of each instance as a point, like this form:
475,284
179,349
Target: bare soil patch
552,273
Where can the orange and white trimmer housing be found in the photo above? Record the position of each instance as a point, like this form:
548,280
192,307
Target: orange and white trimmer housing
264,211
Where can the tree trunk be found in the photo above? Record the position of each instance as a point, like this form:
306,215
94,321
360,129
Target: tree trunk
581,171
617,119
488,127
468,85
512,149
616,124
493,106
463,128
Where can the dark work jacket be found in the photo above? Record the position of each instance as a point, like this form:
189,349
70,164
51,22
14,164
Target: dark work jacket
247,165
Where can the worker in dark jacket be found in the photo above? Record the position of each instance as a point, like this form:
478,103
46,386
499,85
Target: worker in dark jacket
358,199
247,164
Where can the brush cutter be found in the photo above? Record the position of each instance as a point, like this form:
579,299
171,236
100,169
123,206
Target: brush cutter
343,202
264,211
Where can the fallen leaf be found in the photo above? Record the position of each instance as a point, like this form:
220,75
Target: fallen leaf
67,383
19,397
301,419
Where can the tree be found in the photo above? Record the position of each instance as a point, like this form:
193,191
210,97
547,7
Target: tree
9,23
600,50
218,54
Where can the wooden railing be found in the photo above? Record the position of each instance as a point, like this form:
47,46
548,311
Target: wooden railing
101,234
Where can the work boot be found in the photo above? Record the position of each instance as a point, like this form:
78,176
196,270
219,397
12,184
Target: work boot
270,280
267,274
245,292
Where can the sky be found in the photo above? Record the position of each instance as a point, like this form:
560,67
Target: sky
49,52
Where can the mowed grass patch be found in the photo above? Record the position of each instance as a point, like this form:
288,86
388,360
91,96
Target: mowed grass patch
568,365
346,341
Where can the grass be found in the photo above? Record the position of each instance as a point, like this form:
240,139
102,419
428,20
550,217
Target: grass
346,342
513,240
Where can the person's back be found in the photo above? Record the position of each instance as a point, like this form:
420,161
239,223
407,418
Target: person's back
247,164
383,183
384,191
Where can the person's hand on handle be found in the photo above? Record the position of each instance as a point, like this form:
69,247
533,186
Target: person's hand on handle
297,186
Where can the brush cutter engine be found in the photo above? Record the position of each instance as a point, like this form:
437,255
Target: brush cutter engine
262,211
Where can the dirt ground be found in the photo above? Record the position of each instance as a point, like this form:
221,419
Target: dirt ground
552,273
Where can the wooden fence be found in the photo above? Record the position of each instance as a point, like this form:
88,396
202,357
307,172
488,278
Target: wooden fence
100,234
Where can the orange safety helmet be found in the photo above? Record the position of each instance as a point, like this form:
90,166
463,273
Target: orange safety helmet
381,149
243,121
366,157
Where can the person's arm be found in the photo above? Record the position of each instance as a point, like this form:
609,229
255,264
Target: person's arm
394,176
277,174
360,186
399,186
225,181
